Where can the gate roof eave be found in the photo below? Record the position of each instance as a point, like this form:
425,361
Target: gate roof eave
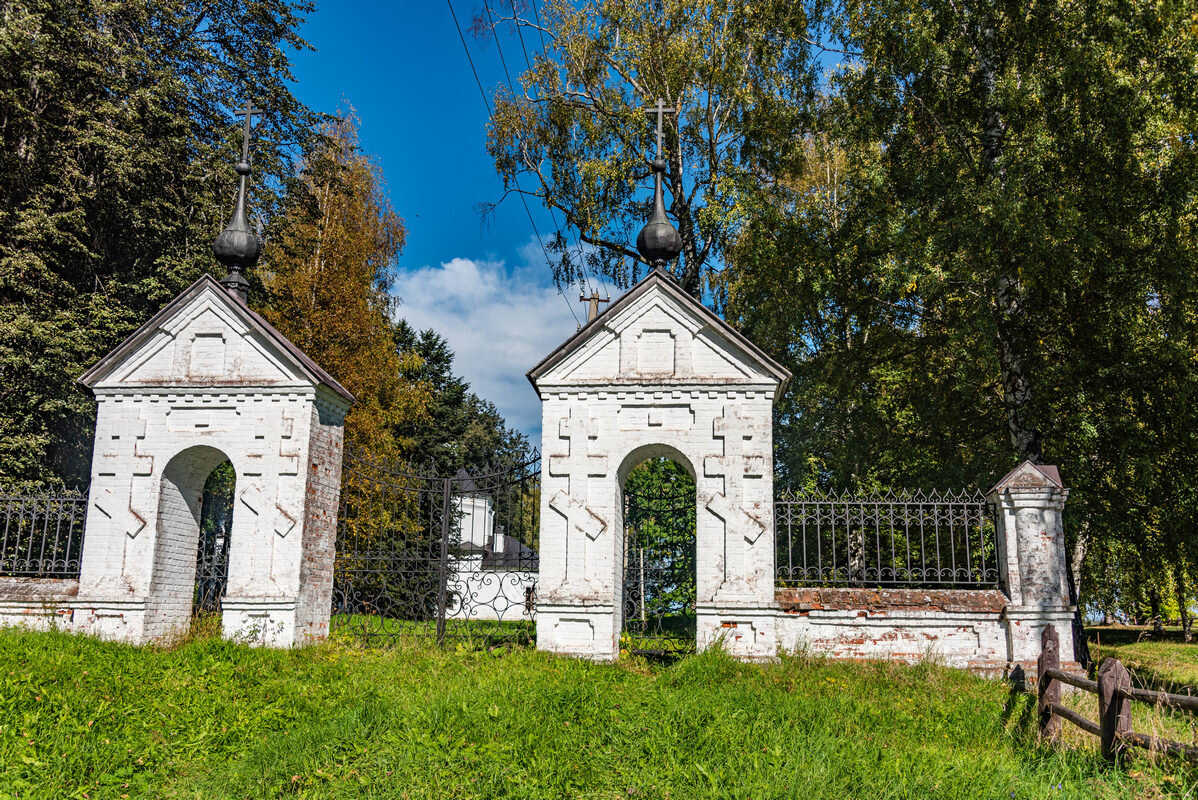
670,286
307,367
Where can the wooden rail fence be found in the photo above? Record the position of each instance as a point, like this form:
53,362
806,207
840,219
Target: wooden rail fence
1115,696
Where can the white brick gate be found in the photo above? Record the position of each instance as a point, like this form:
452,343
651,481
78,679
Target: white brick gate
207,380
657,374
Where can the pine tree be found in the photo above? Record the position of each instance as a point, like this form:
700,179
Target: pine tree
117,142
327,274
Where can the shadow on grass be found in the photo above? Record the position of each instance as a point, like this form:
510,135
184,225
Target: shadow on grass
1158,661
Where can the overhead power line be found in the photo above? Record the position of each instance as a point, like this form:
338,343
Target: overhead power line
486,102
584,273
528,63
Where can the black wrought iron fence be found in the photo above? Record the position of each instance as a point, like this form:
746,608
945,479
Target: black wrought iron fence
897,539
439,557
42,534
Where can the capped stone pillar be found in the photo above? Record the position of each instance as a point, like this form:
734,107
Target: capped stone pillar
1031,543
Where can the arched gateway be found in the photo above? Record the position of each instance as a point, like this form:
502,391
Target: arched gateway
656,375
208,380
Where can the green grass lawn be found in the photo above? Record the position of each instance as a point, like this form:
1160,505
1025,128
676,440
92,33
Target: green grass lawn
209,719
1155,660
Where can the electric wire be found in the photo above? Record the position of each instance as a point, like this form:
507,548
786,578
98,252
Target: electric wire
536,15
584,274
536,95
486,102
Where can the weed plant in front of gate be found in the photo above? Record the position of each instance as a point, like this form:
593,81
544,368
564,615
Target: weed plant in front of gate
207,719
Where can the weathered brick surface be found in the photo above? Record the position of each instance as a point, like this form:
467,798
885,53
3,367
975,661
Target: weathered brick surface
204,386
322,495
803,600
1031,539
968,639
37,603
37,590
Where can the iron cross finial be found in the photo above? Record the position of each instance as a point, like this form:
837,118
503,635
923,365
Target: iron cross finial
659,242
237,246
660,110
250,112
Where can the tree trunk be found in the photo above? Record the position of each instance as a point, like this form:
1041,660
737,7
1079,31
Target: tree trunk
1179,586
1154,605
1010,314
1017,387
1080,547
1081,645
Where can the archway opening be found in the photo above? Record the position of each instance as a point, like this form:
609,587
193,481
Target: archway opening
212,555
659,564
187,574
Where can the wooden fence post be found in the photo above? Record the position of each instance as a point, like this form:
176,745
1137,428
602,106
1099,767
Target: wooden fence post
1049,688
1114,710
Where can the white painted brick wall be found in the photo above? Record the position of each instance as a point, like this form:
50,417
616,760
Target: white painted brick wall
160,429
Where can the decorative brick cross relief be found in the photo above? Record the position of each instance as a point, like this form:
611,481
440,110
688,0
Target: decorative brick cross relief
741,461
578,516
280,520
578,466
577,462
128,433
263,447
119,509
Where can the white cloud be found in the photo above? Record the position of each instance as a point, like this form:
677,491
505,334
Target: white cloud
499,322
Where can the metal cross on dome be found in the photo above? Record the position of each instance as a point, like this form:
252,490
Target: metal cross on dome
250,112
660,110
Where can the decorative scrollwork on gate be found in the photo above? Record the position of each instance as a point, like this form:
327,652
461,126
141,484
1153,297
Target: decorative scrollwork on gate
438,557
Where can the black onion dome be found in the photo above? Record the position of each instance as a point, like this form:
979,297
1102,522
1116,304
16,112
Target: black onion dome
659,241
237,247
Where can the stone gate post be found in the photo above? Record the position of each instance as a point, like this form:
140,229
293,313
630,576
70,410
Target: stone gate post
204,381
1031,548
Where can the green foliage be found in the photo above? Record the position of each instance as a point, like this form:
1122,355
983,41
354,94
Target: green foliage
659,526
972,242
116,173
1161,661
1021,183
459,429
578,137
213,719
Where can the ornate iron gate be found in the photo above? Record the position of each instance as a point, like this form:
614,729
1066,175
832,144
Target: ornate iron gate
212,555
437,557
659,574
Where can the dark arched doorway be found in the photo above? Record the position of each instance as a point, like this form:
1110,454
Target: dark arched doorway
212,556
191,539
659,594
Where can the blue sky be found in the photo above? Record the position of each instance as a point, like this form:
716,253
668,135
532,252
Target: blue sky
483,285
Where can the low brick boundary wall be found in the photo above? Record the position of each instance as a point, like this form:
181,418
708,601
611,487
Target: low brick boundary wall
37,603
883,600
957,627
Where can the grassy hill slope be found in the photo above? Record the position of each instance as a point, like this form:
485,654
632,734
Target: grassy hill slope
81,718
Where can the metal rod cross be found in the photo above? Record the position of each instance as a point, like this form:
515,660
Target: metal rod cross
660,110
250,112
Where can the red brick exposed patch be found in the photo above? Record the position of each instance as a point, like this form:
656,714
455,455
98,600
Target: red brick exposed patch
799,601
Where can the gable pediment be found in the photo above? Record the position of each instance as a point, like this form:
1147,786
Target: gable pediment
657,334
204,338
